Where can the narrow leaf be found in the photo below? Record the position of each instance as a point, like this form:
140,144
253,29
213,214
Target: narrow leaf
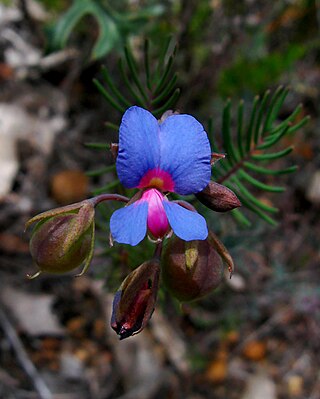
299,125
240,218
240,128
108,97
127,82
266,171
162,57
113,88
274,189
134,72
259,212
274,139
287,121
270,116
164,76
165,93
250,197
147,63
112,126
168,105
262,108
251,123
273,155
278,104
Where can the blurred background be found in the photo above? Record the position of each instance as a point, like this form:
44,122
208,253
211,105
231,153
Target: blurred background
257,335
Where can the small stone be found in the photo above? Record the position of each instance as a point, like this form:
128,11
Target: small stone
255,350
71,366
313,191
260,386
295,386
217,371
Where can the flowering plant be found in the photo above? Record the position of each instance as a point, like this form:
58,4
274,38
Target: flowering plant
171,155
158,158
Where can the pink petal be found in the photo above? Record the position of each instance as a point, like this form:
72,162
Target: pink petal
157,220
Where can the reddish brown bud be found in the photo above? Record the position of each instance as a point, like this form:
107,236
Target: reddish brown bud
62,240
215,157
114,148
191,269
218,197
134,302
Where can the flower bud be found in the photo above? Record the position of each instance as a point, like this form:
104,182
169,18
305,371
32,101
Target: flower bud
114,148
134,302
191,269
218,197
63,238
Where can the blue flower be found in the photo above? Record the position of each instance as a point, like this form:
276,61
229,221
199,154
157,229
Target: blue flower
160,157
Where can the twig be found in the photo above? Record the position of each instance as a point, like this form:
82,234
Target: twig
23,358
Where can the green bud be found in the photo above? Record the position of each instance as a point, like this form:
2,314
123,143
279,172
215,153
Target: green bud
134,302
63,238
218,197
192,269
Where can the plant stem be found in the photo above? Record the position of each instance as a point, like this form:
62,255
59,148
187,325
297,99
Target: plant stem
108,197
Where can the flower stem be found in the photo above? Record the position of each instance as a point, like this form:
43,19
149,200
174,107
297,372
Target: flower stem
158,250
108,197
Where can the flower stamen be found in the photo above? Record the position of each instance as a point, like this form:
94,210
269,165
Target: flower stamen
157,178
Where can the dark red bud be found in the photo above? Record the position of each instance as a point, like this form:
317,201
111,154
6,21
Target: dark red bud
191,269
218,197
134,302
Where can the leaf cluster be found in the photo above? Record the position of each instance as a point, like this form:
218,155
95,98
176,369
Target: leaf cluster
153,89
250,153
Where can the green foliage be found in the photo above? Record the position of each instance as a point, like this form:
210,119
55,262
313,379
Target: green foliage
55,5
251,151
152,88
114,27
258,74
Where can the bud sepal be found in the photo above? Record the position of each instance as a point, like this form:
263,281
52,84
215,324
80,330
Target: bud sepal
63,238
191,270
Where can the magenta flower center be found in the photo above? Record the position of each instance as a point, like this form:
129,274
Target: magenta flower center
157,178
157,220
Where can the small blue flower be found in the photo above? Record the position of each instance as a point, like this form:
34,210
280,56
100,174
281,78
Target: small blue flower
159,157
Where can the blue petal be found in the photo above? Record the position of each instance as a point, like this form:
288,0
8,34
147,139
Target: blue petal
185,153
185,224
139,148
128,225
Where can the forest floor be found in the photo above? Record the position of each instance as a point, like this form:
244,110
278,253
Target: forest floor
257,337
